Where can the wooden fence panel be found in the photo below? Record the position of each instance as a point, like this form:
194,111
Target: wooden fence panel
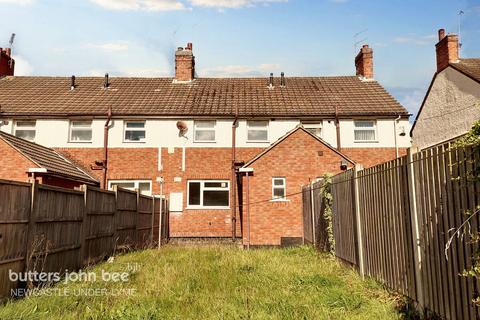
144,221
344,217
307,215
51,229
15,204
386,227
447,192
55,239
126,219
99,224
438,190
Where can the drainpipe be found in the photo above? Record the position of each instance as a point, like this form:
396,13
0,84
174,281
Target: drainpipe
234,179
105,148
395,135
337,127
247,172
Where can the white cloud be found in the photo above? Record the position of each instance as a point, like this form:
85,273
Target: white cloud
232,4
19,2
239,70
110,46
416,40
22,66
147,5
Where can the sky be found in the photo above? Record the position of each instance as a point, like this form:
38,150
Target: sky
238,38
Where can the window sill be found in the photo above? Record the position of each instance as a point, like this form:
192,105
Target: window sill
206,208
263,141
280,200
79,141
126,141
372,141
196,141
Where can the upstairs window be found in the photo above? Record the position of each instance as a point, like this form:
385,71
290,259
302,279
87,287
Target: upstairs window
257,131
81,131
208,194
365,131
25,129
279,188
204,131
313,127
134,131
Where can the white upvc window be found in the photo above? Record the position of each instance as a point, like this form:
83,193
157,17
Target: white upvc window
365,131
314,127
134,131
80,131
25,129
144,186
257,131
279,188
208,194
204,131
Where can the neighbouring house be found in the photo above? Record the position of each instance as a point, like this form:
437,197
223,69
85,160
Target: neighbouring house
25,161
188,136
452,103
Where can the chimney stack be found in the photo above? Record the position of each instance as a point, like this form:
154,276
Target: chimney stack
184,64
447,49
7,63
364,62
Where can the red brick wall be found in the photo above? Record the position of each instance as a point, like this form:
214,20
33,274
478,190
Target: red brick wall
296,158
13,165
370,157
201,163
214,163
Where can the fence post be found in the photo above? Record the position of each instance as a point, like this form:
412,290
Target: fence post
137,216
83,227
358,222
312,206
31,225
153,221
417,253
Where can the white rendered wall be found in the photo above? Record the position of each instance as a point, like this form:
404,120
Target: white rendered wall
164,133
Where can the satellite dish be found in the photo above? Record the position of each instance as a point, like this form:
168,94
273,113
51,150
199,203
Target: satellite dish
182,128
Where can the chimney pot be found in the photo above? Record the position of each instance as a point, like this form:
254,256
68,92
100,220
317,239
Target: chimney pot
189,46
106,83
441,34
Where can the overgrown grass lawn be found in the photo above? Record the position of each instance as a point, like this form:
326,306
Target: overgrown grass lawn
214,283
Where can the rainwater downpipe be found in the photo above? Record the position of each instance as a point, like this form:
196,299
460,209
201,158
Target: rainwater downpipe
105,148
234,180
395,135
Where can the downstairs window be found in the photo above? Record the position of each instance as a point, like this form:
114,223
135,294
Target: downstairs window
208,194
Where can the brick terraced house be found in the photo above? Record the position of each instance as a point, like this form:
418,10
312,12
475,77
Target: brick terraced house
190,136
